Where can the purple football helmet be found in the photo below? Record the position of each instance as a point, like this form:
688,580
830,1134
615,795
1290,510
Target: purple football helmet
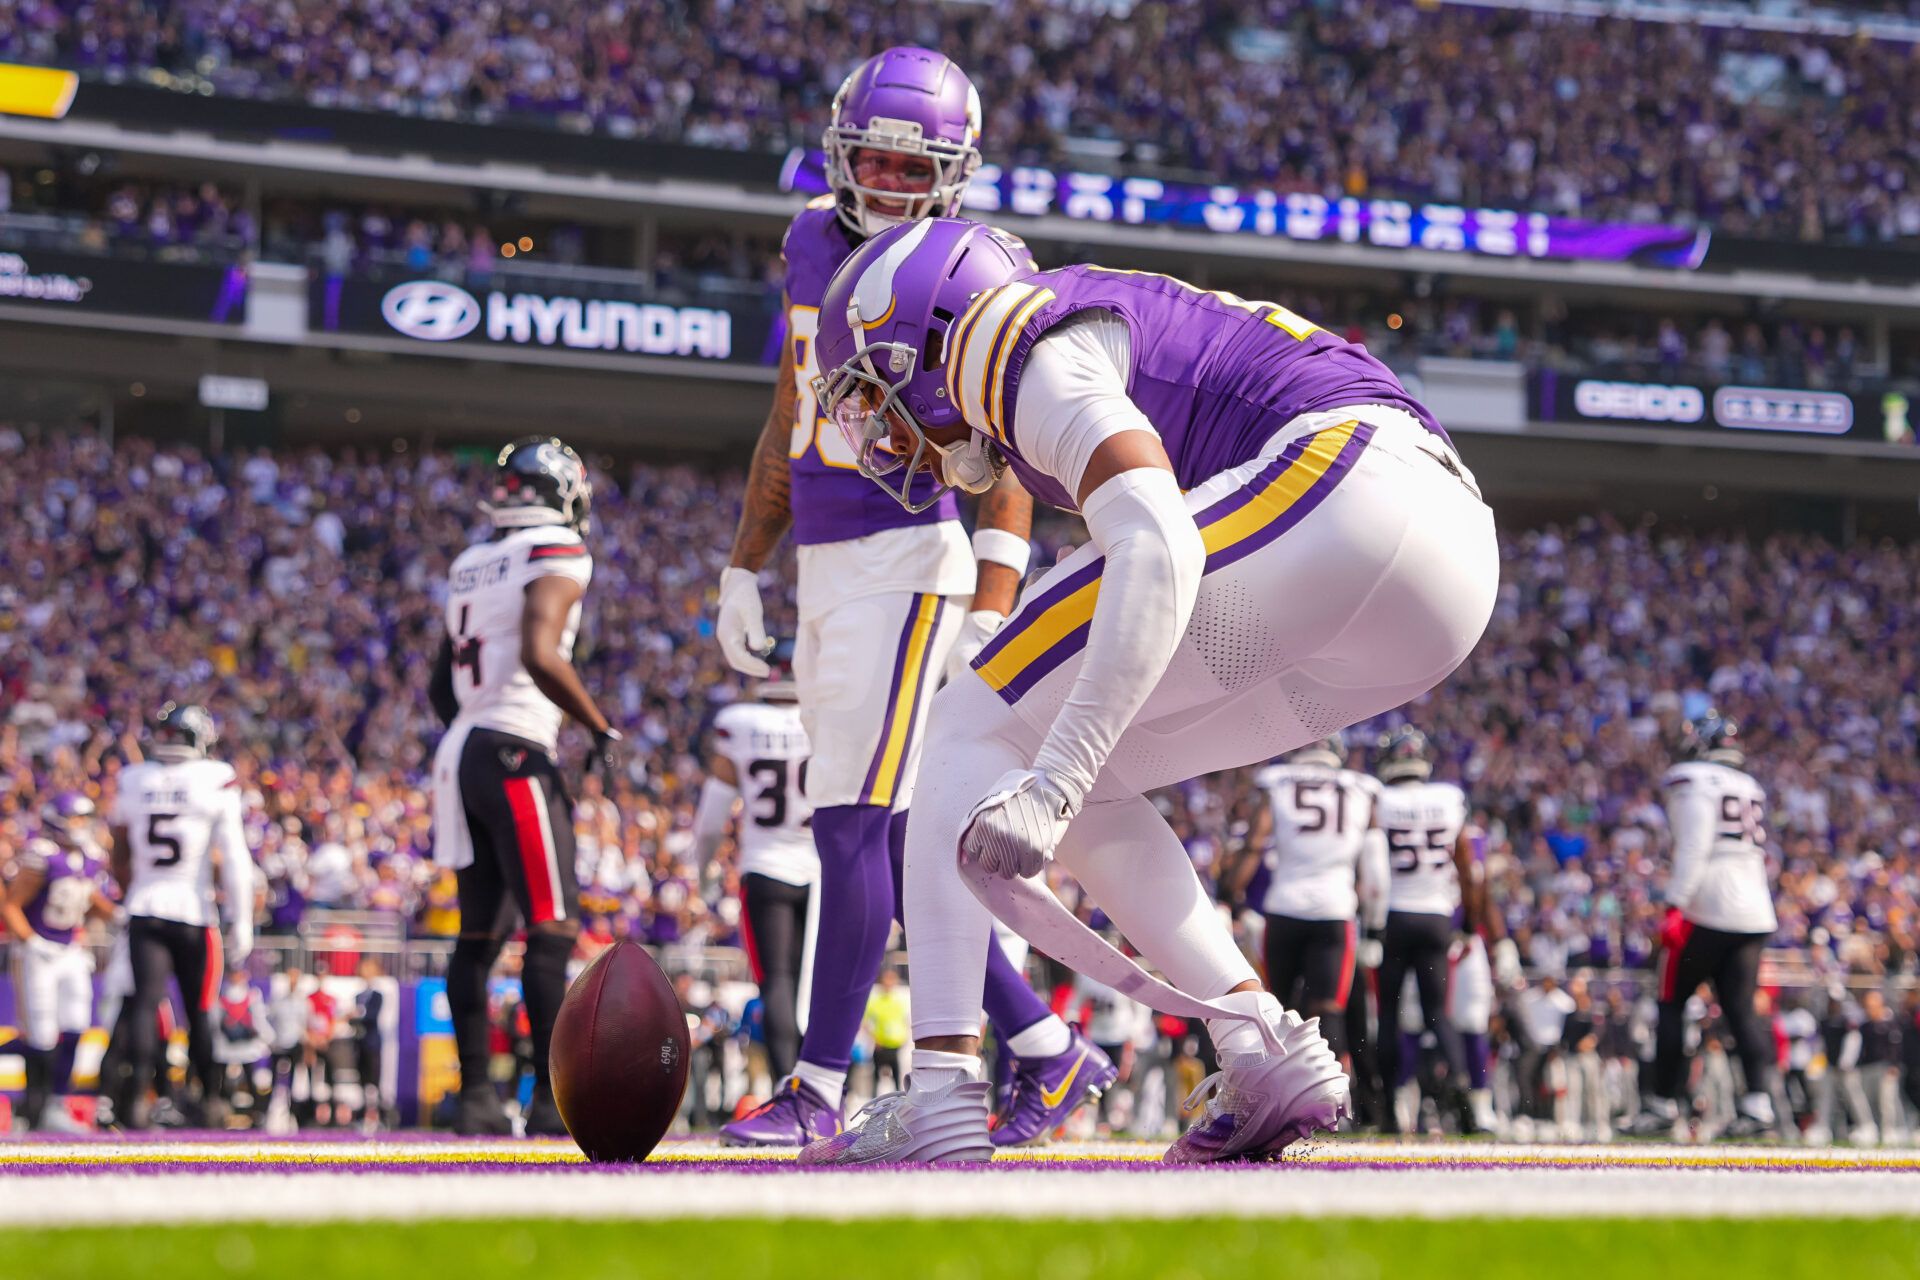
915,102
883,327
65,818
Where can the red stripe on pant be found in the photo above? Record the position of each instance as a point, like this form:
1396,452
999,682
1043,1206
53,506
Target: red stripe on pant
747,938
1670,962
216,969
1345,989
536,855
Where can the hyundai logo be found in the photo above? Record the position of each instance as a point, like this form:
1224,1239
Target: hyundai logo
432,310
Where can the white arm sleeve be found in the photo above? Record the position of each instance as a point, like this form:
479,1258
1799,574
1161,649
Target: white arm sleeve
236,871
711,815
1690,816
1154,561
1374,880
1073,395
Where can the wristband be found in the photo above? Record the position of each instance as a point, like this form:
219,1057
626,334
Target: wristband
997,546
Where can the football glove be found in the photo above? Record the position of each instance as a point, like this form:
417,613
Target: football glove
1012,833
605,754
742,625
978,628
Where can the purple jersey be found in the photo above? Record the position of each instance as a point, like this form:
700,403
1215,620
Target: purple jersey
59,909
1217,376
832,501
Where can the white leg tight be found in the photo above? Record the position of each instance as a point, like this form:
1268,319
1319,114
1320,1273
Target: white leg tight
1128,858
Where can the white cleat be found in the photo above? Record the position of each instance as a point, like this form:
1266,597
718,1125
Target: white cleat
933,1126
1259,1104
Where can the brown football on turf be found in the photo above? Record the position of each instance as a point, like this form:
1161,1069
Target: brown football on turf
619,1055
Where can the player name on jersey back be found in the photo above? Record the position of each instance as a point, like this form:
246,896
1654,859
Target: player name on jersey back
1320,820
769,750
176,814
1422,820
486,600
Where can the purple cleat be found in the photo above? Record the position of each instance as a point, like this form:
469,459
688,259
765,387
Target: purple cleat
1259,1104
1048,1090
793,1117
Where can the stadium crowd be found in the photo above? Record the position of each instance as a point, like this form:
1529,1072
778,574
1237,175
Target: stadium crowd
1789,135
296,594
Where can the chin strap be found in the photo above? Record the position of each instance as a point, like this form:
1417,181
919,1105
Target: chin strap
1031,910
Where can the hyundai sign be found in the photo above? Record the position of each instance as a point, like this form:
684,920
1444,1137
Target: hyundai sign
513,314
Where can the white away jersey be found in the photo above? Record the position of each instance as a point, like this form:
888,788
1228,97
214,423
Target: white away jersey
176,815
769,753
1718,816
1422,821
1320,820
486,598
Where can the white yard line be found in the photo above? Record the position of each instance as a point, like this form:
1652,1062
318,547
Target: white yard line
1418,1190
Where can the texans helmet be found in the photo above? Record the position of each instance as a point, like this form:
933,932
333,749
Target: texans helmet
538,480
64,819
884,324
1405,756
914,102
181,731
1714,738
1330,751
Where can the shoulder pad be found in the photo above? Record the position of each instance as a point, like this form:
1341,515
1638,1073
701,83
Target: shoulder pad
37,854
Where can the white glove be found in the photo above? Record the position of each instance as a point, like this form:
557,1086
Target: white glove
1012,833
46,948
1370,952
239,943
742,626
979,627
1506,963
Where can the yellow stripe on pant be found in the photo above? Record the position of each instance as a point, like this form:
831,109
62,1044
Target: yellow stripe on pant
909,677
1054,626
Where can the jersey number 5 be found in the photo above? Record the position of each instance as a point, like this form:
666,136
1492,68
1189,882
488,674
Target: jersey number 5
159,839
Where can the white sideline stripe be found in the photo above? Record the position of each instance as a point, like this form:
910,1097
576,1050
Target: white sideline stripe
115,1199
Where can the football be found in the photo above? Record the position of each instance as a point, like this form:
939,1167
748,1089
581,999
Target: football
619,1056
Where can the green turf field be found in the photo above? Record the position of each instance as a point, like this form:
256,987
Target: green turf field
976,1249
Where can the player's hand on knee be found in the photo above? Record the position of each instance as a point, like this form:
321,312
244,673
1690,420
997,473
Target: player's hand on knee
742,625
980,626
1012,832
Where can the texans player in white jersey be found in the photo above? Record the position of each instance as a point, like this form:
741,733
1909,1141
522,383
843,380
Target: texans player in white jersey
1433,881
757,755
1719,918
890,599
56,888
502,816
1324,855
173,816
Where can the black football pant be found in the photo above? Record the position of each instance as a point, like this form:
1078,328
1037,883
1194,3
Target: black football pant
776,945
189,954
1731,963
1417,943
521,821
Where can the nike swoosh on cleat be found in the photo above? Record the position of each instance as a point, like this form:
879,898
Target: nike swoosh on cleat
1053,1097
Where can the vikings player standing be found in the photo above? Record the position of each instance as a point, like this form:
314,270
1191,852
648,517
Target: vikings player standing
1282,542
58,884
884,593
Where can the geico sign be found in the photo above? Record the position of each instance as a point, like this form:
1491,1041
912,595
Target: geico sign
435,311
1639,401
646,328
1768,409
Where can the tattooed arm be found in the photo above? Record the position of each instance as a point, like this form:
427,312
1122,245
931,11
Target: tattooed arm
768,509
1006,506
1000,543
